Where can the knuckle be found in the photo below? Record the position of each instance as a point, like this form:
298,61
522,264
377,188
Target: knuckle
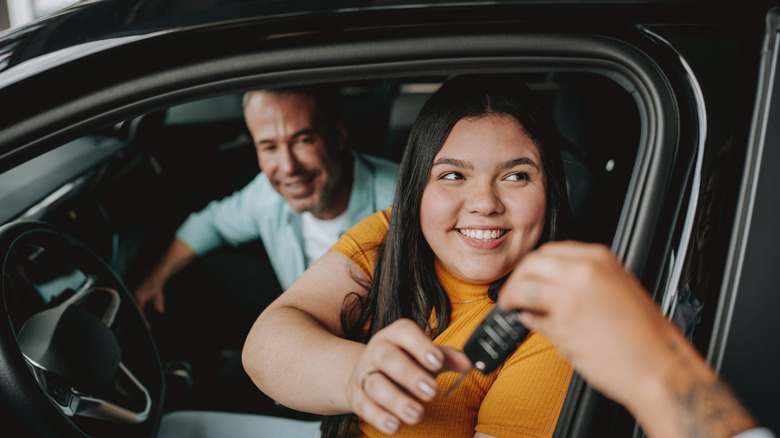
363,408
583,272
399,326
382,355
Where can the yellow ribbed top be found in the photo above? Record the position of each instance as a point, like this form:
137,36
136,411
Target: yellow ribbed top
520,399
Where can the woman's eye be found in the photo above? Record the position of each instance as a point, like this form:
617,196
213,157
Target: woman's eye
518,176
451,176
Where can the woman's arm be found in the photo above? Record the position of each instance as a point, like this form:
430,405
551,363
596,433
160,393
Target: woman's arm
295,353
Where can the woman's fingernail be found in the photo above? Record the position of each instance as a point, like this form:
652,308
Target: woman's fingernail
392,426
433,360
426,388
412,413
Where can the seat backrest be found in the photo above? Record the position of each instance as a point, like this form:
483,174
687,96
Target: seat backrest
599,122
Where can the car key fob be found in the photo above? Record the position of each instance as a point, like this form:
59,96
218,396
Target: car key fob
496,337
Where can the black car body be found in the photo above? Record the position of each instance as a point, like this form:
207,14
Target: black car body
109,135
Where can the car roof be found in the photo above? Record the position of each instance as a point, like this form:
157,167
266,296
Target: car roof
87,22
101,46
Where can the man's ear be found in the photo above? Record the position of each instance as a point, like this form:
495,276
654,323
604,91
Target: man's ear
341,136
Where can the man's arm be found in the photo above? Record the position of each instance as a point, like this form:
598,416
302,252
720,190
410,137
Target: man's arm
601,318
178,255
230,220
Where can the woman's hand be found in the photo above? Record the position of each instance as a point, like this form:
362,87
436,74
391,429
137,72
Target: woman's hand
396,371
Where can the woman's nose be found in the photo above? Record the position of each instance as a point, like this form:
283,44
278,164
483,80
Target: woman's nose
484,199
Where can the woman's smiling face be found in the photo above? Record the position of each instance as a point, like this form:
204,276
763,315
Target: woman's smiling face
484,204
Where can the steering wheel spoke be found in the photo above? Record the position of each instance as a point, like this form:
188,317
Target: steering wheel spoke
73,321
132,409
74,358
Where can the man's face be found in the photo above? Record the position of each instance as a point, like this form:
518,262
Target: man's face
292,152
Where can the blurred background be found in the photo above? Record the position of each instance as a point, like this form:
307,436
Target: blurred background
14,13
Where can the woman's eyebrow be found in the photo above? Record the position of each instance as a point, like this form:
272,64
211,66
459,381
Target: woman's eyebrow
453,162
517,162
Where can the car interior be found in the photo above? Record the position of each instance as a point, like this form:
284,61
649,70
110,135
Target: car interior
119,192
141,177
125,116
138,179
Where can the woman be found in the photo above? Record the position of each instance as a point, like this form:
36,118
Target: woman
372,328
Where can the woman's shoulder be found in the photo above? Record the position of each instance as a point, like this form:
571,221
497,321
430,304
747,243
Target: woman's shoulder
371,228
362,242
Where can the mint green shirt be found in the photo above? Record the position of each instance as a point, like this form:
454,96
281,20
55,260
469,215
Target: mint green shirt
257,211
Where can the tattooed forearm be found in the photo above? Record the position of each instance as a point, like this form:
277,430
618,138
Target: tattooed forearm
710,409
705,405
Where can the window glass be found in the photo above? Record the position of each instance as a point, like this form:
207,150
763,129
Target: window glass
214,109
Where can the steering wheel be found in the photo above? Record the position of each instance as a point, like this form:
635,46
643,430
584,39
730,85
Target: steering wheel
76,356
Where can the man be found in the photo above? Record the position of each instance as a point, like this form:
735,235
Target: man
311,189
601,318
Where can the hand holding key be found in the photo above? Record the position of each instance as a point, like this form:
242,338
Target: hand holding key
397,371
596,313
581,298
605,322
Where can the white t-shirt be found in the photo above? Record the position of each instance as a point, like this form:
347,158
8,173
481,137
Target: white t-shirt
319,235
758,432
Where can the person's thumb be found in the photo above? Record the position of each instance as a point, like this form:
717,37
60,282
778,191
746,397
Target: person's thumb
159,303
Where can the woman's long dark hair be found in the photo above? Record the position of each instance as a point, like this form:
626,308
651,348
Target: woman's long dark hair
405,283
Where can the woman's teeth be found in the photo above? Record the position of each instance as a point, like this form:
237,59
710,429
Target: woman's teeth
484,235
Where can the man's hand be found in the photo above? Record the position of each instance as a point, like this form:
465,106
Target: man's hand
150,293
603,320
595,312
178,255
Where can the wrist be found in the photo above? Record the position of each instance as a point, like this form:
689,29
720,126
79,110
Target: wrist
153,282
652,402
684,397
